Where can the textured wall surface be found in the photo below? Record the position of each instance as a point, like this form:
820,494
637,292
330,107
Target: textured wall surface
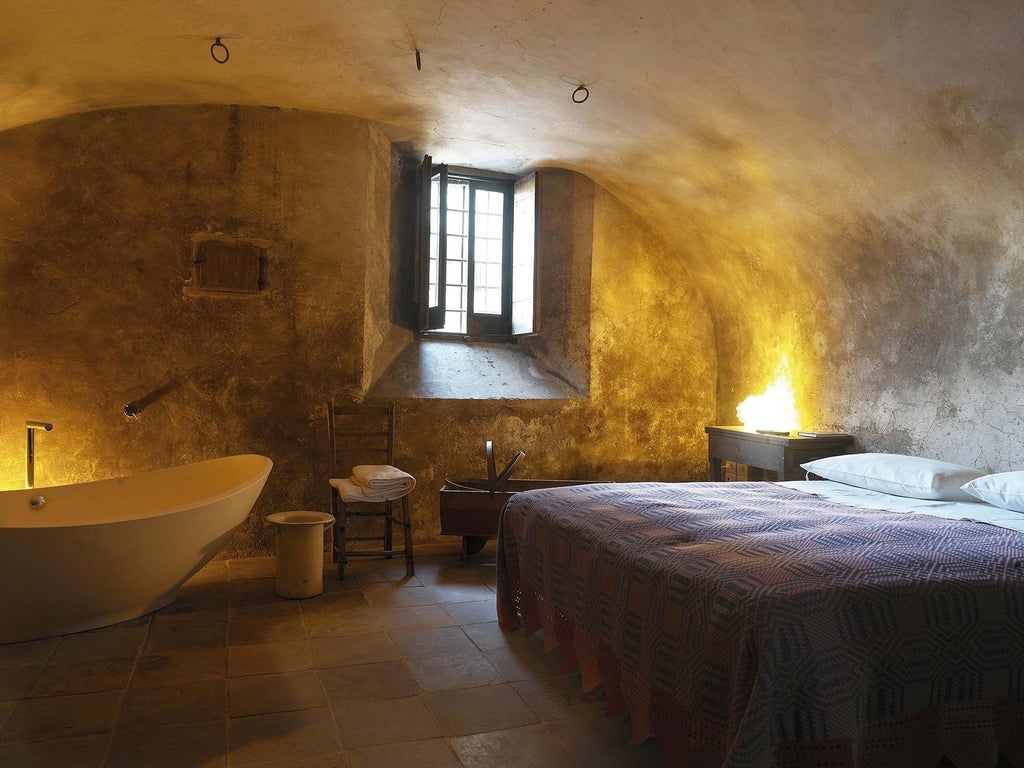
97,217
891,280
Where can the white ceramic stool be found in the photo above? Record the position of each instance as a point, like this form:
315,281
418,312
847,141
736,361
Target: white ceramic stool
299,539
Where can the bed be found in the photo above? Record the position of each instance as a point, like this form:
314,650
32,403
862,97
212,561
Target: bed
805,625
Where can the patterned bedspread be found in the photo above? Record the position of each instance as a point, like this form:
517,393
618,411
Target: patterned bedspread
747,624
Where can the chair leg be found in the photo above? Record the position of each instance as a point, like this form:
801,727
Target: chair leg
410,569
334,528
341,523
389,513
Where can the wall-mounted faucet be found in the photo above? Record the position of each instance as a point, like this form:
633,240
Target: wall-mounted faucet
30,456
132,410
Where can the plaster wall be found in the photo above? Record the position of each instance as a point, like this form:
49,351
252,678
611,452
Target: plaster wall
892,280
96,220
97,215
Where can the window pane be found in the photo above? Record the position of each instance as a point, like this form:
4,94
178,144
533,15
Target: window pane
454,322
456,248
487,251
455,297
487,301
435,226
456,223
457,195
455,276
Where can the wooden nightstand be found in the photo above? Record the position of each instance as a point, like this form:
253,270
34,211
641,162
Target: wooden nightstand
783,454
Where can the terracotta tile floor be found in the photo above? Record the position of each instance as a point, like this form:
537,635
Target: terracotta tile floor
379,670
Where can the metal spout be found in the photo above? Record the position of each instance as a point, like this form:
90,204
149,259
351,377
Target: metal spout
30,455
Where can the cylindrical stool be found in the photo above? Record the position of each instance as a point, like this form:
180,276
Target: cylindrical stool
300,552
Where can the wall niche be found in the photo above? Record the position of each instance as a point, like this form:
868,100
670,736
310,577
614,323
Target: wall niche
227,265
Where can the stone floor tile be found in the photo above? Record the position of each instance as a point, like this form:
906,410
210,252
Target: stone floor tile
384,680
286,737
423,617
532,746
169,636
349,599
449,672
252,568
250,591
284,692
474,612
417,643
180,667
475,710
596,741
488,636
199,590
79,752
467,592
341,622
268,658
61,717
199,611
16,682
372,723
430,753
371,570
58,679
265,607
197,745
559,697
389,594
266,629
34,652
174,704
525,663
99,645
357,649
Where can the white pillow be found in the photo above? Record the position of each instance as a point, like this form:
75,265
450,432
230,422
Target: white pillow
899,475
1003,489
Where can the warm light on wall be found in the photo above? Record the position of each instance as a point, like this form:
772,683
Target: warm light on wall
775,408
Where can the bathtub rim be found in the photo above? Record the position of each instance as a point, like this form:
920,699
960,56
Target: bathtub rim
41,522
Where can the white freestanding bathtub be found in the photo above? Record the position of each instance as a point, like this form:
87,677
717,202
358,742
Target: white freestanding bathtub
97,553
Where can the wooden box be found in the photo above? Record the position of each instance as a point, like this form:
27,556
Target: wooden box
470,507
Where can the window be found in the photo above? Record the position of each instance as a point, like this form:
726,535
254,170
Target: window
476,257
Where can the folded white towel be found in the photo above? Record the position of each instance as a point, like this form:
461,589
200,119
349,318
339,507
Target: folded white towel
351,491
383,479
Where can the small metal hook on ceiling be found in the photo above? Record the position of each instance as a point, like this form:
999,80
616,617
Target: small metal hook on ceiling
419,64
218,56
581,94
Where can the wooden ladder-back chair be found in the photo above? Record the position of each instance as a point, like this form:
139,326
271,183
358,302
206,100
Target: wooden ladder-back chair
364,434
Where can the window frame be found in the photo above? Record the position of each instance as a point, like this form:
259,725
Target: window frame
479,325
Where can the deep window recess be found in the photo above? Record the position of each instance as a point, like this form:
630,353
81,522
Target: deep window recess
476,253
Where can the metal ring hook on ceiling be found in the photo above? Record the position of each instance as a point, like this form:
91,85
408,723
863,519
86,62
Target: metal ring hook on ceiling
220,58
581,94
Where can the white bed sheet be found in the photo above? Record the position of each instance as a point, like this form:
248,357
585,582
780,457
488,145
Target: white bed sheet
951,510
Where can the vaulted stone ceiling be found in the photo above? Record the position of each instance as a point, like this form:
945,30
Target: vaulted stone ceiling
695,106
771,143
